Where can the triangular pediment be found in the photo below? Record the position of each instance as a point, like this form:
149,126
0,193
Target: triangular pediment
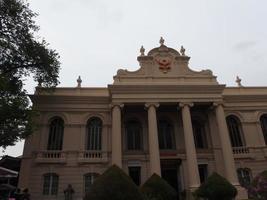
164,65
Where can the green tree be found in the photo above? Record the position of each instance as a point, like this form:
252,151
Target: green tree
216,187
113,184
156,188
22,55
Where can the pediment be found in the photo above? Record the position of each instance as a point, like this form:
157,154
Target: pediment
164,65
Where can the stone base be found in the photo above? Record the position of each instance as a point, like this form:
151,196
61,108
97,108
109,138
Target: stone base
242,193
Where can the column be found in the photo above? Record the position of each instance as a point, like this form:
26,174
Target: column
229,163
116,135
153,141
191,158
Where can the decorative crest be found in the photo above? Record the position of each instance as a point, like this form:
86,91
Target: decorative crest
161,41
79,82
238,81
182,51
142,51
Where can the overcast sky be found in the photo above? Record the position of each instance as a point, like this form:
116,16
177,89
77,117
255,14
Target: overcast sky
97,37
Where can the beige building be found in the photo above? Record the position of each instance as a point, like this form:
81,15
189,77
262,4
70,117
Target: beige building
163,118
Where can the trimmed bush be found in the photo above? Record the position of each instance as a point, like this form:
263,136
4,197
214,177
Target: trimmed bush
216,188
113,184
258,188
156,188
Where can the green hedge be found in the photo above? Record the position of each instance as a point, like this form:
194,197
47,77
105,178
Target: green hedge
157,188
216,188
113,184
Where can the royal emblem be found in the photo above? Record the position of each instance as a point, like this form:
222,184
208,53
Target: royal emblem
164,64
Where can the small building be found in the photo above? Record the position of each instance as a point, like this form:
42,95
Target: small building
164,118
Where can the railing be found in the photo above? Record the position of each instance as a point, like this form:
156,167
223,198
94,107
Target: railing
51,156
93,156
240,150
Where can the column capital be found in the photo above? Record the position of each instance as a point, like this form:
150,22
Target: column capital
218,103
112,105
154,104
183,104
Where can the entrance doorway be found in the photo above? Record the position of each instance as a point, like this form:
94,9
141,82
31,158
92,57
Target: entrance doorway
170,173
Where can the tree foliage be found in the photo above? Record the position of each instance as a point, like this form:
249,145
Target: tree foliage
113,184
258,188
156,188
216,188
22,54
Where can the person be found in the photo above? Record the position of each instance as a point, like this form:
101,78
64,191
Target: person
68,193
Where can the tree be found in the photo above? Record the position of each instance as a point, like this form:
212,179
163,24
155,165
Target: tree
113,184
258,187
22,55
216,187
156,188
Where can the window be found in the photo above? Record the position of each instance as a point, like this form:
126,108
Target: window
135,174
235,131
199,134
89,180
244,177
134,135
50,186
94,134
263,120
203,172
56,132
166,135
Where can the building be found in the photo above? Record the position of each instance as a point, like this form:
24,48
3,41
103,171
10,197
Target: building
163,118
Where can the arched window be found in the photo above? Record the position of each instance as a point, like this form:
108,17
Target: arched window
244,177
166,135
199,134
50,185
56,132
133,131
89,180
94,134
235,131
263,120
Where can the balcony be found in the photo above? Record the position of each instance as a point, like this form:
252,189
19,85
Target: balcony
50,157
241,152
93,157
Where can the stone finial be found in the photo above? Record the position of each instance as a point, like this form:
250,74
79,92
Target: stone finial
161,41
182,51
238,81
142,51
79,81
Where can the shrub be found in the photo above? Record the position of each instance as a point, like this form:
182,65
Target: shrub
113,184
216,188
157,188
258,188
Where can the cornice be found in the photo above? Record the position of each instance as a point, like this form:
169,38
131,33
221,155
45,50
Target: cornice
166,89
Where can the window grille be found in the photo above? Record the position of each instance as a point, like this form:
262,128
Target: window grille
134,135
56,132
244,177
89,180
263,120
166,135
94,134
199,134
50,186
235,131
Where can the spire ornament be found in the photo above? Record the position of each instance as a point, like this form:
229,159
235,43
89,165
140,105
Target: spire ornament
182,51
79,82
161,41
238,81
142,51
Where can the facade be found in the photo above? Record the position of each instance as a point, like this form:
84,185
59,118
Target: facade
163,118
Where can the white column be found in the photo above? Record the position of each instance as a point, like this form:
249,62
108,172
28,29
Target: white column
229,163
153,142
116,135
191,158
